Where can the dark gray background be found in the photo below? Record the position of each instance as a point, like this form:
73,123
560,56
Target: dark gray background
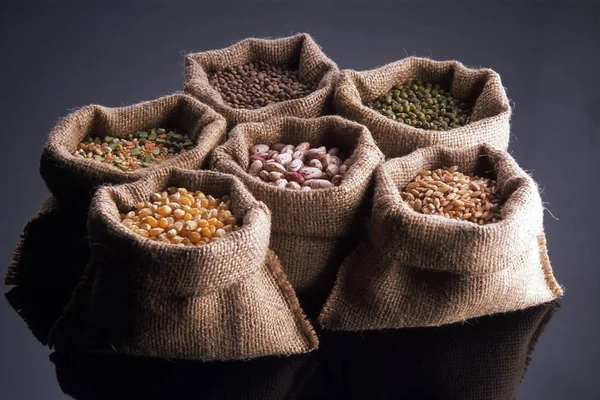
58,57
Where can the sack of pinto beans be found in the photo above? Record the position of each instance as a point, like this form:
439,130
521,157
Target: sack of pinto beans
98,145
258,79
156,286
314,175
418,102
454,234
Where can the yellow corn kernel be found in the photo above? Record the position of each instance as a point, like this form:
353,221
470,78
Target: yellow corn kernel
182,191
176,239
202,223
145,226
155,232
206,232
127,222
172,233
191,225
163,223
139,206
187,217
130,214
178,214
178,225
165,211
195,237
220,233
231,221
194,211
224,215
212,228
142,232
150,220
145,212
186,241
204,203
184,201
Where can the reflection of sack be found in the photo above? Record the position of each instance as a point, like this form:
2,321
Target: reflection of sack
52,248
103,376
299,51
311,231
423,270
489,121
225,300
57,235
485,358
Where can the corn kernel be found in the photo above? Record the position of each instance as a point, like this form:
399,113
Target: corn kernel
163,223
206,232
178,214
165,211
155,232
150,220
145,212
187,217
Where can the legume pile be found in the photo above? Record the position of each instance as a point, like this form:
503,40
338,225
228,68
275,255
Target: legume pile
423,105
297,167
137,150
259,84
183,218
451,194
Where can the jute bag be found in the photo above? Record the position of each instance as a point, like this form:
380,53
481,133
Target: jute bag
489,121
72,180
311,231
485,358
428,270
225,300
299,51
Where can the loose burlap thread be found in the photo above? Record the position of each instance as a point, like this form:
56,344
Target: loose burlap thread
72,180
428,270
225,300
299,51
489,121
313,231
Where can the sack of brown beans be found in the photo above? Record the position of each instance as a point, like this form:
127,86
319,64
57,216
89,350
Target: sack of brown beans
98,145
418,102
174,296
316,185
452,236
258,79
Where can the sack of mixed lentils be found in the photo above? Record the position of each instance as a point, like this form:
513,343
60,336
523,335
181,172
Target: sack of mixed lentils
418,102
98,145
258,79
314,175
445,245
182,292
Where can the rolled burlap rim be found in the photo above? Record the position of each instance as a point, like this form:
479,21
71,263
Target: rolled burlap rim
489,121
73,179
299,50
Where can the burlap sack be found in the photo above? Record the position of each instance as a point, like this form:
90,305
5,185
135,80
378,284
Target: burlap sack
226,300
312,231
489,121
52,248
485,358
299,51
60,228
427,270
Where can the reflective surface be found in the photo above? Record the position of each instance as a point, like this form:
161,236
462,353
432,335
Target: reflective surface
484,358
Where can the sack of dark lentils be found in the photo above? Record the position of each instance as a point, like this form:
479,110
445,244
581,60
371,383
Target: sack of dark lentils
258,79
418,102
312,231
73,165
226,299
426,269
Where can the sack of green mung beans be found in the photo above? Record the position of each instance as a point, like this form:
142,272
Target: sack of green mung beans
454,234
181,268
314,175
258,79
98,145
418,102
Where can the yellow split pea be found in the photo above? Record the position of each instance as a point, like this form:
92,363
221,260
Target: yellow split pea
183,218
